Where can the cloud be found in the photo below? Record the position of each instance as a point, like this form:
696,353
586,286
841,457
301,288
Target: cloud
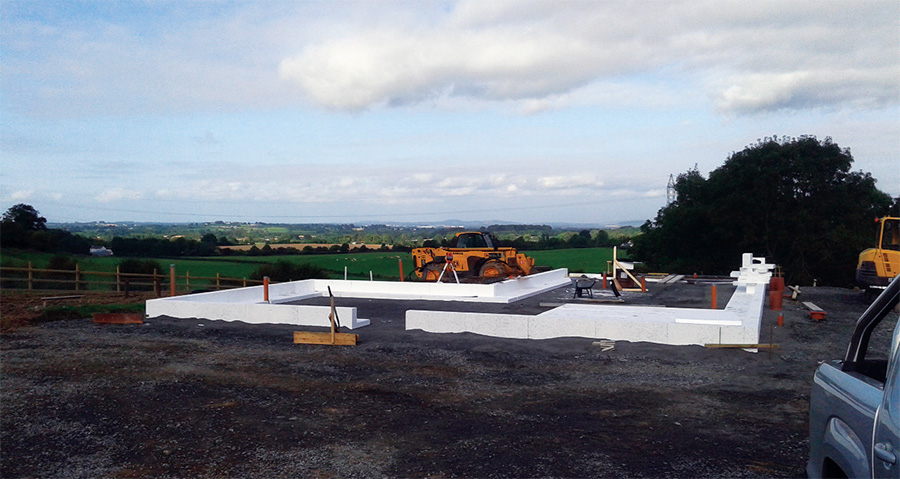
794,55
799,90
117,194
396,67
569,182
20,195
531,55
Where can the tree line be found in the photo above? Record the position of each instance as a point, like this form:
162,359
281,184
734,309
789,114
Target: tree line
23,227
793,200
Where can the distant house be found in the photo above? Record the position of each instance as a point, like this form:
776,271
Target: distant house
100,251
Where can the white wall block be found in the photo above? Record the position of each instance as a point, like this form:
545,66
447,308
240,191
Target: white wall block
545,328
225,307
738,323
436,321
246,304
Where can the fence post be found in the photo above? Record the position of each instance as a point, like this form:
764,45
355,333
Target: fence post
156,283
171,280
187,281
118,280
30,276
245,282
217,281
77,277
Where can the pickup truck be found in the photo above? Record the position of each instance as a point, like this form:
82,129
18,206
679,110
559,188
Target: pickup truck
854,411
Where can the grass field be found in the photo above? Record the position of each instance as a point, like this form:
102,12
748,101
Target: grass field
383,266
582,260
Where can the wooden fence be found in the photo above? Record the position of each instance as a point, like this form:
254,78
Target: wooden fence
37,279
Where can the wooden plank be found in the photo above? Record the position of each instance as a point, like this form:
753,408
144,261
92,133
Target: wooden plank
742,346
812,307
119,318
339,339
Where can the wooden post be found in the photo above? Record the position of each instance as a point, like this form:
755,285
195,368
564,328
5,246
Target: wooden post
187,281
157,283
714,304
171,280
266,289
245,282
30,276
119,281
77,277
401,269
217,281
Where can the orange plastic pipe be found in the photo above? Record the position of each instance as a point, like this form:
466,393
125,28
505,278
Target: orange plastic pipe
401,270
714,302
266,289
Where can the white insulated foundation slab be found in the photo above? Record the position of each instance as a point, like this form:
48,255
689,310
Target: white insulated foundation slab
738,323
247,304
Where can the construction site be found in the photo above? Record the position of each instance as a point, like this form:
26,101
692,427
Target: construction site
543,375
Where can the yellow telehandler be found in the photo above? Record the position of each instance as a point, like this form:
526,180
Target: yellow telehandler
471,253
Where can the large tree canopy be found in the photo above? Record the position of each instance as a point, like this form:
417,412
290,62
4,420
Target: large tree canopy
22,226
24,217
793,200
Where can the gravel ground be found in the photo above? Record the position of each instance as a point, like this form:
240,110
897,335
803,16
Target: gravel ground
209,399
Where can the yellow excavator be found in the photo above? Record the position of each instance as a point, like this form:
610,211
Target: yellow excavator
879,265
471,253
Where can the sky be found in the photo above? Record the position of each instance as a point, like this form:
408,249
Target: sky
527,111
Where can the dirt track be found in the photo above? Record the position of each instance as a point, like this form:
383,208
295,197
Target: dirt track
192,398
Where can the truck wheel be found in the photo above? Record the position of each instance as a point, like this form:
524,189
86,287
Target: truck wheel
432,272
494,269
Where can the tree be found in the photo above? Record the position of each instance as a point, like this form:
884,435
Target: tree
580,240
209,238
25,217
793,200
